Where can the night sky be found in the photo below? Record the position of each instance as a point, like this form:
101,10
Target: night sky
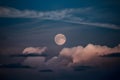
28,50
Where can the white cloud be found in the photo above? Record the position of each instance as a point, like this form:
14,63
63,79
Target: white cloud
66,15
29,50
70,57
81,54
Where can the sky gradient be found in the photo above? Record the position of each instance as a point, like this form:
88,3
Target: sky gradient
28,50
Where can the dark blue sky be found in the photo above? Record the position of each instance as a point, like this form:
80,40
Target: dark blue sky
59,4
79,20
84,17
89,25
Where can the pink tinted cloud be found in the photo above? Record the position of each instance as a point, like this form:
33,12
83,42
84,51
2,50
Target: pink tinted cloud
79,54
38,50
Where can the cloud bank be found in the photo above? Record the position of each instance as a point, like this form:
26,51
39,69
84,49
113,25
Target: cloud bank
30,50
65,15
79,55
75,58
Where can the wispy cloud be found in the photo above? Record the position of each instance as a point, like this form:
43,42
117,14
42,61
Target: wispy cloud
67,15
15,13
104,25
38,50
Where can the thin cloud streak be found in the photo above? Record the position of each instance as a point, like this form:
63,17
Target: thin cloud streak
104,25
65,15
30,50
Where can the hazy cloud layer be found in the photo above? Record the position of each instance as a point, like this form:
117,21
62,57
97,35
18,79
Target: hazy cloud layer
65,15
54,15
58,63
37,62
30,50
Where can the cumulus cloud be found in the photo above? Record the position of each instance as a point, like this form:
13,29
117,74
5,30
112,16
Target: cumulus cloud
65,15
81,54
38,50
75,58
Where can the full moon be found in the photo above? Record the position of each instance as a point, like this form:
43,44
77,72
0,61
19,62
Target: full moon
60,39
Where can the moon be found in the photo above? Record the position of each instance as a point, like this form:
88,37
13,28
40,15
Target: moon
60,39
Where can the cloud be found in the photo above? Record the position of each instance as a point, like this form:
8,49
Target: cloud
28,55
58,63
16,13
46,70
81,68
112,55
76,58
104,25
16,65
81,54
66,15
37,62
30,50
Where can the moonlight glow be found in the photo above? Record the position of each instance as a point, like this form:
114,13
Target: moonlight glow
60,39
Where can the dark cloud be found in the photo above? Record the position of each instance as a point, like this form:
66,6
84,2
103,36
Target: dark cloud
46,70
59,63
28,55
37,62
16,65
81,68
112,55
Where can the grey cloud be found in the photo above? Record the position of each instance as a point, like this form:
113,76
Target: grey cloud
15,13
104,25
46,70
81,68
65,15
37,62
16,65
28,55
58,63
